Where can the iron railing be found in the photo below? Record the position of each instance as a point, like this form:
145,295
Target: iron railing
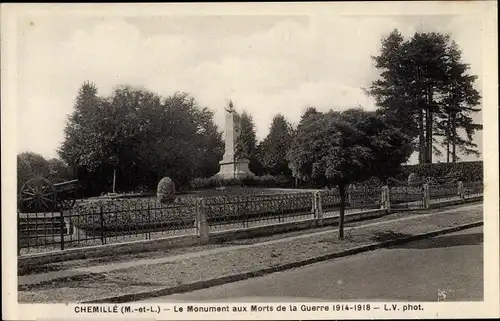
102,222
444,192
99,222
407,197
473,189
243,211
359,199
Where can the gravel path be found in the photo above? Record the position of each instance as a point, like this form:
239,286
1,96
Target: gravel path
200,268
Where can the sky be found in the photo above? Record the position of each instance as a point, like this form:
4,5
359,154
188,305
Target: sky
265,63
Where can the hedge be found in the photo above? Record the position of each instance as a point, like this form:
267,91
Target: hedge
467,171
250,181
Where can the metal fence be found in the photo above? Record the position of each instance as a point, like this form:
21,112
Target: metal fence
99,222
357,199
407,197
472,189
229,212
444,192
104,222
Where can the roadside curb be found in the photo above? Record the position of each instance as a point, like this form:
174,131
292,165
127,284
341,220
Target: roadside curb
126,298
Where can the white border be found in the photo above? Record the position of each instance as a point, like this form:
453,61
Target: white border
485,9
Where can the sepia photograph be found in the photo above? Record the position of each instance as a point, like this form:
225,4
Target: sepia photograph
338,158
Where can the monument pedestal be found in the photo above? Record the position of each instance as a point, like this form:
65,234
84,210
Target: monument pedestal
235,169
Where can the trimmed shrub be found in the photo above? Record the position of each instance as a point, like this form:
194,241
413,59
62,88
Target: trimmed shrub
165,192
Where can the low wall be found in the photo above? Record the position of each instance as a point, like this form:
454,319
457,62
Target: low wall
456,202
279,228
108,250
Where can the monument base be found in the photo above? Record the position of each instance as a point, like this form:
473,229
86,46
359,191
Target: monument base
237,169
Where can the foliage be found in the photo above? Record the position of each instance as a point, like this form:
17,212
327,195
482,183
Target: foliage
229,209
59,171
246,145
340,148
250,181
30,165
142,136
425,91
273,149
130,214
165,191
466,171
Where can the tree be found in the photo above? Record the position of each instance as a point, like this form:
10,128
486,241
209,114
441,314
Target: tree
414,92
310,111
30,165
458,103
273,149
210,142
141,137
340,148
246,146
59,171
89,134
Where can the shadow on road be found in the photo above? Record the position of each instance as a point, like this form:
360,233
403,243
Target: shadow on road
444,241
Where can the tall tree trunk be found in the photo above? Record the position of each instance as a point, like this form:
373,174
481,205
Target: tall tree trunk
453,136
421,139
427,136
448,125
342,210
114,180
429,123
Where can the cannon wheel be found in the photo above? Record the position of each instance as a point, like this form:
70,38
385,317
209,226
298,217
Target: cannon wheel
38,194
430,180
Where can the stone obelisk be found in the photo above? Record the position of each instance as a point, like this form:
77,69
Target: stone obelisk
232,166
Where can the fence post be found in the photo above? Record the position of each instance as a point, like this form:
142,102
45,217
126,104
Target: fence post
385,202
318,210
426,196
313,206
148,236
388,199
69,226
18,234
101,214
461,190
201,221
320,206
382,198
61,212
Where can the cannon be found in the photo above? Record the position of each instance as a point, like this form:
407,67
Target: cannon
42,195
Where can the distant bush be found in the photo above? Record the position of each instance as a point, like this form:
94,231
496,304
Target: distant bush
466,171
249,181
165,191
